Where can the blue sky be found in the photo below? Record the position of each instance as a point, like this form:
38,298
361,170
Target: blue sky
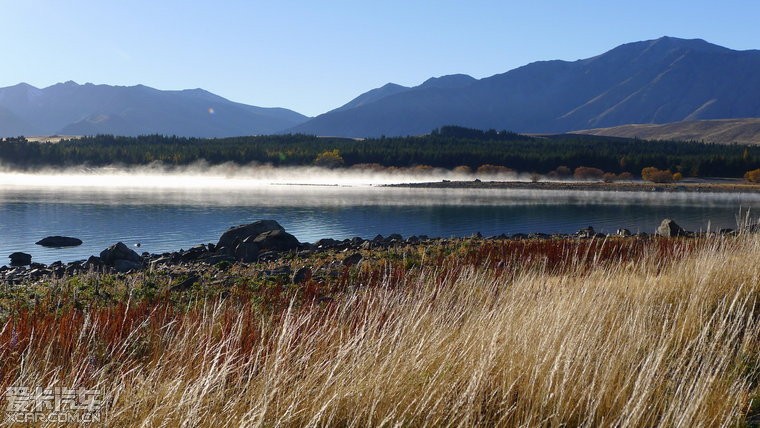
312,56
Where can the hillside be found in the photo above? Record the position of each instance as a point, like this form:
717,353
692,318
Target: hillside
73,109
723,131
650,82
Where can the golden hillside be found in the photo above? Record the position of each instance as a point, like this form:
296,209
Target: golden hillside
724,131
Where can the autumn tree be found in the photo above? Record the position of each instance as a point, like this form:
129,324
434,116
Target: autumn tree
329,159
655,175
588,173
753,176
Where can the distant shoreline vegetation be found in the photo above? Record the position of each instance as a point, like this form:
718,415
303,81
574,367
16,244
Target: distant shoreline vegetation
449,147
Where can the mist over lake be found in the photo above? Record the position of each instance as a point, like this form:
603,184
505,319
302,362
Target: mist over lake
168,211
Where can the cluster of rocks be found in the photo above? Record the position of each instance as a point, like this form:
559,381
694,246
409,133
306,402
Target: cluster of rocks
265,241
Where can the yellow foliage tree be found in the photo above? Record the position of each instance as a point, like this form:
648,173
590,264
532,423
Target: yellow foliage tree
753,176
329,159
655,175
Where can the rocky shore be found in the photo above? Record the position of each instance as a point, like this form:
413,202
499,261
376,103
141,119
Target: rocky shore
267,242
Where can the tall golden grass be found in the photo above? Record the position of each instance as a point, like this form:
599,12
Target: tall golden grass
670,341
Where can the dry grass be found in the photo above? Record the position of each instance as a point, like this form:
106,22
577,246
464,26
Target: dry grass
721,131
663,338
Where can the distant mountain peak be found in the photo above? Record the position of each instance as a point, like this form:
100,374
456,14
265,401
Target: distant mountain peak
23,85
449,81
669,43
698,45
374,95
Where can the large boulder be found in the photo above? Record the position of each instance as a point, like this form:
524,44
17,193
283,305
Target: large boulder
276,240
59,241
119,251
247,251
236,235
20,259
669,228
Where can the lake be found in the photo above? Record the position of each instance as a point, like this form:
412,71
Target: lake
164,219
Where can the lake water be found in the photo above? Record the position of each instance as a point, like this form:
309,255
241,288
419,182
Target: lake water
167,219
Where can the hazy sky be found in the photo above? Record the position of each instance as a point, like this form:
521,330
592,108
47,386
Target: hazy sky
312,56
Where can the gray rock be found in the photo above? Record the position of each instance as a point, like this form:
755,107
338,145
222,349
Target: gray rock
352,260
326,243
160,261
302,275
276,240
669,228
119,251
38,273
59,241
93,262
20,259
185,284
235,235
332,270
193,253
394,237
588,232
122,265
278,272
268,256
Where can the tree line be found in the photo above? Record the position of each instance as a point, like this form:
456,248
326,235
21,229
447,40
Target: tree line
446,147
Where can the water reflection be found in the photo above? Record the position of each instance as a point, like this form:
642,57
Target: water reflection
166,219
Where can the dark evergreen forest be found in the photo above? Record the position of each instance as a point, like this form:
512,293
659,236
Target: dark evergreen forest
447,147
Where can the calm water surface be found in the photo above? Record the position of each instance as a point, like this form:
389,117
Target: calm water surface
169,219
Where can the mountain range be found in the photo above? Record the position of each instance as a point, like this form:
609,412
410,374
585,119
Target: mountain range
655,81
73,109
650,82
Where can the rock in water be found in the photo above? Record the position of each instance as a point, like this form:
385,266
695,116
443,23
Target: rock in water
235,235
669,228
20,259
59,241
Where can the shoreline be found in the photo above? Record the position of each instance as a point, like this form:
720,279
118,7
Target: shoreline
120,259
628,186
